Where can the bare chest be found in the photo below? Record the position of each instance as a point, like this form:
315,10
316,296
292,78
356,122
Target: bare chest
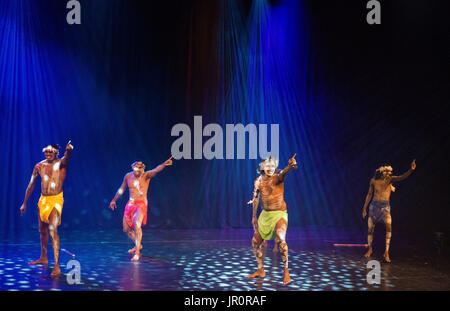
50,170
382,187
270,186
139,184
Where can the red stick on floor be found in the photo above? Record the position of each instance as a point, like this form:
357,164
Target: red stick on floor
351,245
67,252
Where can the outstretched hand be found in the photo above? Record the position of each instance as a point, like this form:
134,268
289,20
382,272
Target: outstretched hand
413,164
292,161
168,162
69,146
112,205
23,209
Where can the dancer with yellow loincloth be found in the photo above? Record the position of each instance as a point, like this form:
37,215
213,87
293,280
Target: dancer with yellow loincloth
135,215
273,220
52,171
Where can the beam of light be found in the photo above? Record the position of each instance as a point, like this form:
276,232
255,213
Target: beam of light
58,83
264,65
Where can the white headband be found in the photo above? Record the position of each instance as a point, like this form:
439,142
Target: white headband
266,161
385,168
135,163
50,148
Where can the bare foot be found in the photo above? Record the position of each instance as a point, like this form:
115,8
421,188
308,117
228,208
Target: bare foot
40,261
258,273
386,257
369,253
135,257
131,251
56,271
286,277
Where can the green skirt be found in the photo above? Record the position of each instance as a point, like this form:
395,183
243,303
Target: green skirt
268,220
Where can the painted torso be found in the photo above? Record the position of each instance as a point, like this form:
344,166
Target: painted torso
272,192
382,189
138,187
52,176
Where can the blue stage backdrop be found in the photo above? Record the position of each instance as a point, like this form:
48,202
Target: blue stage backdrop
347,98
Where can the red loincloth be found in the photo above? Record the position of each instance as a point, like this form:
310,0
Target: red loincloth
130,210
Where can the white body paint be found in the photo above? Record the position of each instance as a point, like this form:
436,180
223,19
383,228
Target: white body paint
56,166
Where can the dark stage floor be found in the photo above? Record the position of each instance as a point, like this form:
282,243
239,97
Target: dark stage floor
219,260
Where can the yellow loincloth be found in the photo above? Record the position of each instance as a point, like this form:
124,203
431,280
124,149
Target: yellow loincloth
48,203
267,222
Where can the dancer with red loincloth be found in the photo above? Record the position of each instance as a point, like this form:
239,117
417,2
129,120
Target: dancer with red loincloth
135,215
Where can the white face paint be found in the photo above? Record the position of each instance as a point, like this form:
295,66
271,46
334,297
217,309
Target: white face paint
138,169
56,166
53,185
269,168
45,177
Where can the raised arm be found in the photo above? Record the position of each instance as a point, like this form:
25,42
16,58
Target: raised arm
119,193
368,198
66,157
159,168
406,174
291,165
30,189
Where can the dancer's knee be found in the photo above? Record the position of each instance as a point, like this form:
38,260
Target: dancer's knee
53,231
43,228
137,225
280,235
256,242
388,233
388,227
137,221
